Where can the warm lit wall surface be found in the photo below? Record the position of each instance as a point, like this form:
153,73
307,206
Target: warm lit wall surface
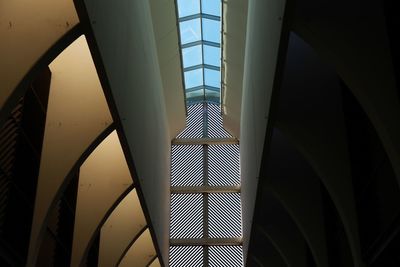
75,90
28,30
103,179
121,230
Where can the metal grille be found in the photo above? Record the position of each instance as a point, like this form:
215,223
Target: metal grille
224,215
222,256
186,216
186,256
187,165
215,127
223,165
194,122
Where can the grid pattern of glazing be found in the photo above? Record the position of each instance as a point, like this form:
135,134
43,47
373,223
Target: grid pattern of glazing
200,43
205,215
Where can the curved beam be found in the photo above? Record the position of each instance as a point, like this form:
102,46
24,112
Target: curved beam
154,262
36,33
77,120
104,180
310,115
276,246
344,40
285,236
140,253
122,228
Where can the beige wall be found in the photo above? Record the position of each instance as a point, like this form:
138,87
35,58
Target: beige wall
140,253
121,229
77,114
28,29
104,178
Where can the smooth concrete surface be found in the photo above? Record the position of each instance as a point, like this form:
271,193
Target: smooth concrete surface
140,253
125,40
122,228
28,29
234,41
77,115
263,34
103,179
166,35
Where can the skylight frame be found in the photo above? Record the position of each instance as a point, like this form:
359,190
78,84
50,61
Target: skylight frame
207,85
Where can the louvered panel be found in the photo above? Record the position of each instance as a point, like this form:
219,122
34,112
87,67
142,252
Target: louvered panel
223,165
224,215
186,256
194,122
9,133
222,256
187,165
186,216
214,123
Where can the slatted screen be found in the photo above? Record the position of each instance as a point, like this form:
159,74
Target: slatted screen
182,256
224,215
223,256
197,215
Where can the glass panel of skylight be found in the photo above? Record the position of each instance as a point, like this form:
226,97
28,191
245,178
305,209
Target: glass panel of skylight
188,7
212,55
190,31
192,56
193,78
212,78
211,30
195,95
212,7
212,95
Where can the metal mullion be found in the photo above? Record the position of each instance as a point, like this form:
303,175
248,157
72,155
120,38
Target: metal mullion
201,42
190,17
202,47
210,17
199,66
199,15
222,62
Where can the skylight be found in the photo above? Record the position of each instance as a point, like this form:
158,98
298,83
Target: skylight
200,43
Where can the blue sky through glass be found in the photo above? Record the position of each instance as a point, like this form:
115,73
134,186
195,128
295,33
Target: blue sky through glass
200,32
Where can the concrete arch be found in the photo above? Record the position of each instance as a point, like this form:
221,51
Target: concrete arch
140,253
104,180
309,111
78,119
122,228
266,254
286,233
352,38
33,34
299,195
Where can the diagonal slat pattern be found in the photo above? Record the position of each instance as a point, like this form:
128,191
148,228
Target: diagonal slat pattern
222,256
223,165
186,216
194,122
180,256
215,127
187,165
224,215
